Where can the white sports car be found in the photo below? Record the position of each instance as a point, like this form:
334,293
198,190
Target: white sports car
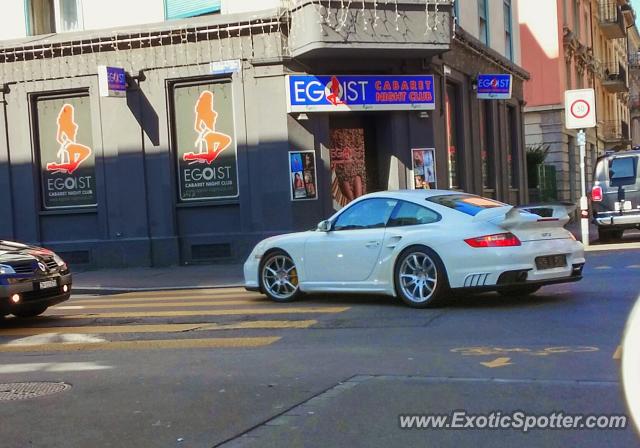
418,245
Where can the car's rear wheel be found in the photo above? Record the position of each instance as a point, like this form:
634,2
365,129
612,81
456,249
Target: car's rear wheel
519,291
32,311
420,277
279,277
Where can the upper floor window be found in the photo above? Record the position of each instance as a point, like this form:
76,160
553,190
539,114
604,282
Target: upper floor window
508,39
180,9
576,18
53,16
483,15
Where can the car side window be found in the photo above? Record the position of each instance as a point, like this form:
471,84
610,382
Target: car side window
367,214
408,214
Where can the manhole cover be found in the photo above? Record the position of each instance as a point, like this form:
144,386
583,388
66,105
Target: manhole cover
26,391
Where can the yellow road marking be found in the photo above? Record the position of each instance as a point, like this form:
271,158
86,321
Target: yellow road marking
186,304
164,328
145,345
232,312
118,299
618,353
194,292
498,362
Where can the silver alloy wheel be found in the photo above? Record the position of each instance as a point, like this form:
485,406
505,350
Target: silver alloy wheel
280,277
418,277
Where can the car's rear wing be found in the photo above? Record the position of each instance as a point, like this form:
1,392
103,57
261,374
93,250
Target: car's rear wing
528,216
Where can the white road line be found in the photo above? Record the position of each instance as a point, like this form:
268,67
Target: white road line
53,367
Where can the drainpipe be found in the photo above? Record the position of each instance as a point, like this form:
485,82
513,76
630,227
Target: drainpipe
593,76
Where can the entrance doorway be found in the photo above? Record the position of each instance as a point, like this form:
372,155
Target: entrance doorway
354,157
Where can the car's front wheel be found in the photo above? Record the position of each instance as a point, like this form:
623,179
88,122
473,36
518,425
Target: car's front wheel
32,311
279,277
420,277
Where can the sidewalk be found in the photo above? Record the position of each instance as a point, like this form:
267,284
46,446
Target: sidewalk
154,279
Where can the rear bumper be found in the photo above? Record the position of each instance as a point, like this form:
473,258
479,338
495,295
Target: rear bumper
504,286
486,267
31,296
618,220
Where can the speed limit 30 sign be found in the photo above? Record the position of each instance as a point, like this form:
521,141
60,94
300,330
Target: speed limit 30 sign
580,109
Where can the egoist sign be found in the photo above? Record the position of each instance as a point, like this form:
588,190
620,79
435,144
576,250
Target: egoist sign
67,160
338,93
495,87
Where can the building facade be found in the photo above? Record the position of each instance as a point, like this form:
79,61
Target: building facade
252,119
634,85
575,44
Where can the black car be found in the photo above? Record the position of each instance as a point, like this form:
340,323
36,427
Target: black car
615,196
31,279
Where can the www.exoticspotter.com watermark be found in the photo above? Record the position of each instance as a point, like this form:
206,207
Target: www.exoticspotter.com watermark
517,420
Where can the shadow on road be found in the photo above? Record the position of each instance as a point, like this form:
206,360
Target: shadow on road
485,300
495,300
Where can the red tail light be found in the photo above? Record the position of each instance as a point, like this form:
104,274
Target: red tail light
596,194
497,240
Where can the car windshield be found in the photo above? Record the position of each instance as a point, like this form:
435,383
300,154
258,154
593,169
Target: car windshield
466,203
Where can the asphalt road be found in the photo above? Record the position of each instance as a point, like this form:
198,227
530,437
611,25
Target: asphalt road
210,367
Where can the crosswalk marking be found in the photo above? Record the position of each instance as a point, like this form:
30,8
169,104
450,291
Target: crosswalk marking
225,312
162,328
221,298
83,323
186,304
146,345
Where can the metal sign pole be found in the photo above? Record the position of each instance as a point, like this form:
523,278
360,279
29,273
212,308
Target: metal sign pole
584,203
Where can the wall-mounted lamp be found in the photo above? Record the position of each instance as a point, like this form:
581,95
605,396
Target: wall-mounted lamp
302,117
423,114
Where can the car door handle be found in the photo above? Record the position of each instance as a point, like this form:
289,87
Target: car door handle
393,241
373,244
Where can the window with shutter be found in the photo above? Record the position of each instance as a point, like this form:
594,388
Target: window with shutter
180,9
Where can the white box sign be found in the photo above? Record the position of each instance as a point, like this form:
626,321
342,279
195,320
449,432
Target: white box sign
580,109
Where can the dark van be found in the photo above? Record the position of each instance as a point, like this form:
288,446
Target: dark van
615,196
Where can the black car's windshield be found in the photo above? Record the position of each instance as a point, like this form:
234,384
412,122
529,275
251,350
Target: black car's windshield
466,203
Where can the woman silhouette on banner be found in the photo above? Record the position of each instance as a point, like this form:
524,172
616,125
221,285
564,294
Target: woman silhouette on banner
71,154
209,142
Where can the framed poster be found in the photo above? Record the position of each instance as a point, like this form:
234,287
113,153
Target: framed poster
65,148
204,140
424,168
303,178
348,167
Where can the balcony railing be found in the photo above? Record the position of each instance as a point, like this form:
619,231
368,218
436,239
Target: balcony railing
634,61
634,102
614,77
614,131
611,19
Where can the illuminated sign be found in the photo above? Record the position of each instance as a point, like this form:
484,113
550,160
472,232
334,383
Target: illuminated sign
337,93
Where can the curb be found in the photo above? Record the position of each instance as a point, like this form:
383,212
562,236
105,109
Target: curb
98,290
612,247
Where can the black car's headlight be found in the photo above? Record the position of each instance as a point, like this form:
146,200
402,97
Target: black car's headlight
6,269
59,261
